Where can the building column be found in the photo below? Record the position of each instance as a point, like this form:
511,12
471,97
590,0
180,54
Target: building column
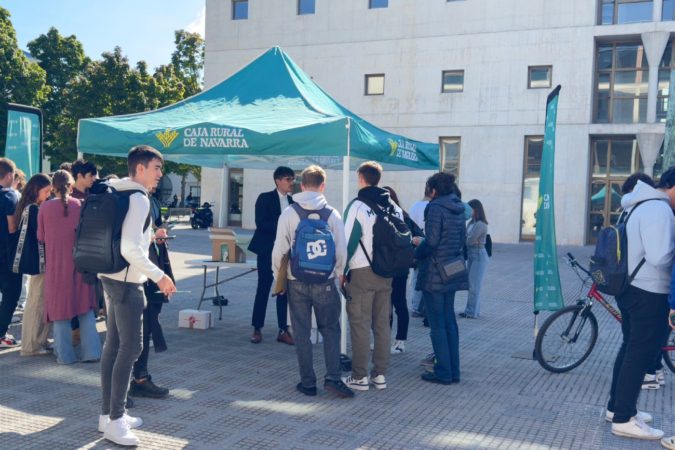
654,43
650,144
657,14
223,213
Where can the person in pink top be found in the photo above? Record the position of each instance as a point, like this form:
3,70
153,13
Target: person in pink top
66,296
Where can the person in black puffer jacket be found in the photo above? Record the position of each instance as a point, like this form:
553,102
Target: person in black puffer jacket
445,232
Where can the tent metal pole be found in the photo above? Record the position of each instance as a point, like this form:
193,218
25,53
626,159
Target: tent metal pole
80,155
345,202
222,211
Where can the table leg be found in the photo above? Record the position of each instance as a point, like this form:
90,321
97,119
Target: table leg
220,303
203,291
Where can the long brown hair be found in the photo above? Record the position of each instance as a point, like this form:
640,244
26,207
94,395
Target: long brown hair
394,197
63,181
477,206
30,193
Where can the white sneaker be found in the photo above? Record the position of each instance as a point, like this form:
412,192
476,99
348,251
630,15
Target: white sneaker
661,377
379,382
643,416
398,348
357,385
16,319
134,422
650,383
668,442
119,432
8,341
636,428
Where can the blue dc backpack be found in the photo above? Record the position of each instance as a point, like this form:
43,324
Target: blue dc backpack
609,264
313,251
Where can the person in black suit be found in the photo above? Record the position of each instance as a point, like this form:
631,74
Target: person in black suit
268,208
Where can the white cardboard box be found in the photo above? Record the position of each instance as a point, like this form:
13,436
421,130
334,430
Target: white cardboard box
195,319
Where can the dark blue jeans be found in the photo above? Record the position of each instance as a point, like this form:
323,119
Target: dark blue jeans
325,300
440,310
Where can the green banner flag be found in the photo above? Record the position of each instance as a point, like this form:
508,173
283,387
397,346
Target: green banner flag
547,291
669,143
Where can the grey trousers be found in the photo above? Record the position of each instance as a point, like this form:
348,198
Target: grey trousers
369,306
125,303
35,331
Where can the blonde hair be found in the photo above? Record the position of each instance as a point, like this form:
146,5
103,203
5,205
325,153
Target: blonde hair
313,176
62,181
20,176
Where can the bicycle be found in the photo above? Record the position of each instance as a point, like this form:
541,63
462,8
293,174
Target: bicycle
568,336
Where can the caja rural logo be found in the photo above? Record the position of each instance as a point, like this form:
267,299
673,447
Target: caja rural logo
403,149
206,137
167,137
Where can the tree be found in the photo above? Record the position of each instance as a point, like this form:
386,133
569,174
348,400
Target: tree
188,61
62,59
183,170
21,81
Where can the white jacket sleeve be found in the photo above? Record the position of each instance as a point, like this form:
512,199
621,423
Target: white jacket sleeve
657,239
283,241
132,238
338,228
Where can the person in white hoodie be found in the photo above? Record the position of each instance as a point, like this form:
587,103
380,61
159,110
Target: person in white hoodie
304,296
650,228
125,299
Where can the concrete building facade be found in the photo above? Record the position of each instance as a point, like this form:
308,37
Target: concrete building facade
473,75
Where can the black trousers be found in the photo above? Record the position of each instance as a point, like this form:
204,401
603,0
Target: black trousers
150,318
644,325
262,295
400,303
10,287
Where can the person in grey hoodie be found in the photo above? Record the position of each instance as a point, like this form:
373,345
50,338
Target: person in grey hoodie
125,299
650,228
304,297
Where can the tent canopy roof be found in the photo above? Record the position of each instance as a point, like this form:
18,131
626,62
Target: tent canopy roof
270,112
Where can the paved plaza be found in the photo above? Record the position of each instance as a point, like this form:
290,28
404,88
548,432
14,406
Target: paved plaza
229,394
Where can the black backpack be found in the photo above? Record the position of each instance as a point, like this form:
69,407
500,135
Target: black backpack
99,232
393,251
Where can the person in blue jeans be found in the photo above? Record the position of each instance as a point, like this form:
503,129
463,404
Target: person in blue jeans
477,261
322,296
445,230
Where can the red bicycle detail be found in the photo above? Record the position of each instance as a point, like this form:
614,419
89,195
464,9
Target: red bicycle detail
568,336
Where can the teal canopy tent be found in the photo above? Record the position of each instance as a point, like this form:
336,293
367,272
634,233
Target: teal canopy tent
268,113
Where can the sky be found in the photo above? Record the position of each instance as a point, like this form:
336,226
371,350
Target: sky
143,28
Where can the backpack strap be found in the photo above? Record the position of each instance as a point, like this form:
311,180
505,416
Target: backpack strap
363,247
324,213
129,193
302,212
377,209
636,207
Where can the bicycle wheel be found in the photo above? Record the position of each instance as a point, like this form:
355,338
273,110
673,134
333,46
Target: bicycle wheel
669,355
565,340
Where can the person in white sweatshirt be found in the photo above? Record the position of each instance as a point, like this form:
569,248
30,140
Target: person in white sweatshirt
650,229
316,291
125,299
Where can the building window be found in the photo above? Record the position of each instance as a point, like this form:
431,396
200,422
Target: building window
239,9
450,148
378,4
453,81
621,83
665,70
375,84
625,11
534,148
236,197
306,7
539,77
668,12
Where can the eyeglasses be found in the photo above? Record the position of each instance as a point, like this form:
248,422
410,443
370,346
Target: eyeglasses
289,179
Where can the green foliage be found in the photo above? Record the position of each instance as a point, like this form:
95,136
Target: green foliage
21,81
188,61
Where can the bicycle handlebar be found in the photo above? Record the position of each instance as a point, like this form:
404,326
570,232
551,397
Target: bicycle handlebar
573,262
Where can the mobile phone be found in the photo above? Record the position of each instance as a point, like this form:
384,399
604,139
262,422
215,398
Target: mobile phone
168,237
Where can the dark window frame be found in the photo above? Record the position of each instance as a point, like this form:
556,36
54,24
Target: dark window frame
442,151
525,176
612,71
374,75
300,13
615,14
529,76
234,9
670,67
443,91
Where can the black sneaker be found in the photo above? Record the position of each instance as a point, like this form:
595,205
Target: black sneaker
432,378
130,402
147,389
338,387
307,391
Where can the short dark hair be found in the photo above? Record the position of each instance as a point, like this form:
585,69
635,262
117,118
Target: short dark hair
68,167
456,191
667,180
142,154
283,172
632,180
82,167
7,166
442,182
371,172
